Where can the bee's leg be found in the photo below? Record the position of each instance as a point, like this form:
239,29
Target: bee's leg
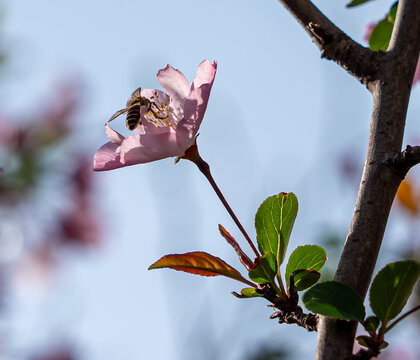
118,113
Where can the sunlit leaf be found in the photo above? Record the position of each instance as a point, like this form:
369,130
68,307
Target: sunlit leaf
274,222
265,269
304,279
408,197
245,260
392,287
382,31
393,13
307,257
247,293
380,36
336,300
354,3
199,263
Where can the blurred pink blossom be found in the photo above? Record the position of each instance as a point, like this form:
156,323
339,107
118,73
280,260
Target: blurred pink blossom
56,354
57,117
368,32
8,132
151,142
80,223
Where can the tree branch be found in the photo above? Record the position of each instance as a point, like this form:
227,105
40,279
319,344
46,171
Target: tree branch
389,77
364,64
307,321
405,160
379,181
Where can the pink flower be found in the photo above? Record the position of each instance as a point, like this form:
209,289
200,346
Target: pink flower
183,104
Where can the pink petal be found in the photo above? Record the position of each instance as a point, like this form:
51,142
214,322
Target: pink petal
107,158
113,136
205,74
139,149
196,104
174,83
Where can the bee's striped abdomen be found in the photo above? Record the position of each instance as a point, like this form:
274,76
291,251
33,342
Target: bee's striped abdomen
133,117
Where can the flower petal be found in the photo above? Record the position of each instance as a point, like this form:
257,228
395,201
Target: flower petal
174,83
205,74
157,138
139,149
196,104
107,158
113,136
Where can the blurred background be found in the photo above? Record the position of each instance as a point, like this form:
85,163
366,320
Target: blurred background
75,245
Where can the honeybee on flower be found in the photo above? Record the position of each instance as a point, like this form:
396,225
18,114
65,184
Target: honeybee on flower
168,123
156,109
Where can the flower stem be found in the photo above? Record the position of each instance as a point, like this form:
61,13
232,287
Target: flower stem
193,155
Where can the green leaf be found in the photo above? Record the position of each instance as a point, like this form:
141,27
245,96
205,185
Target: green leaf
199,263
274,222
391,288
265,270
371,323
336,300
247,293
384,345
304,279
393,13
365,341
380,36
354,3
307,257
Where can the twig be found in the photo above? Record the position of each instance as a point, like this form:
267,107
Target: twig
307,321
402,317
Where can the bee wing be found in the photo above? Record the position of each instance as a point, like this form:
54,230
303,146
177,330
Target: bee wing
118,113
137,92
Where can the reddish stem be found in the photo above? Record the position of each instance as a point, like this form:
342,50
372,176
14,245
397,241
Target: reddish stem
192,154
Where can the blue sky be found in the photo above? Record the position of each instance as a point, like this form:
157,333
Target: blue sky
278,119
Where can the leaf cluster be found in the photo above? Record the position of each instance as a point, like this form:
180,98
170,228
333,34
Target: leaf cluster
274,222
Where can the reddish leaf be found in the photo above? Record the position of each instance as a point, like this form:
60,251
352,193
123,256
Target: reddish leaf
199,263
245,260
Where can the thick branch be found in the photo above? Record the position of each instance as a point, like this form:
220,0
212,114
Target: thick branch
379,181
334,44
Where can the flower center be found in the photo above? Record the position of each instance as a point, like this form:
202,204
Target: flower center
158,107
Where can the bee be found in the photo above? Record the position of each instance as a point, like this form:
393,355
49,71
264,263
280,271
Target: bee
134,104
